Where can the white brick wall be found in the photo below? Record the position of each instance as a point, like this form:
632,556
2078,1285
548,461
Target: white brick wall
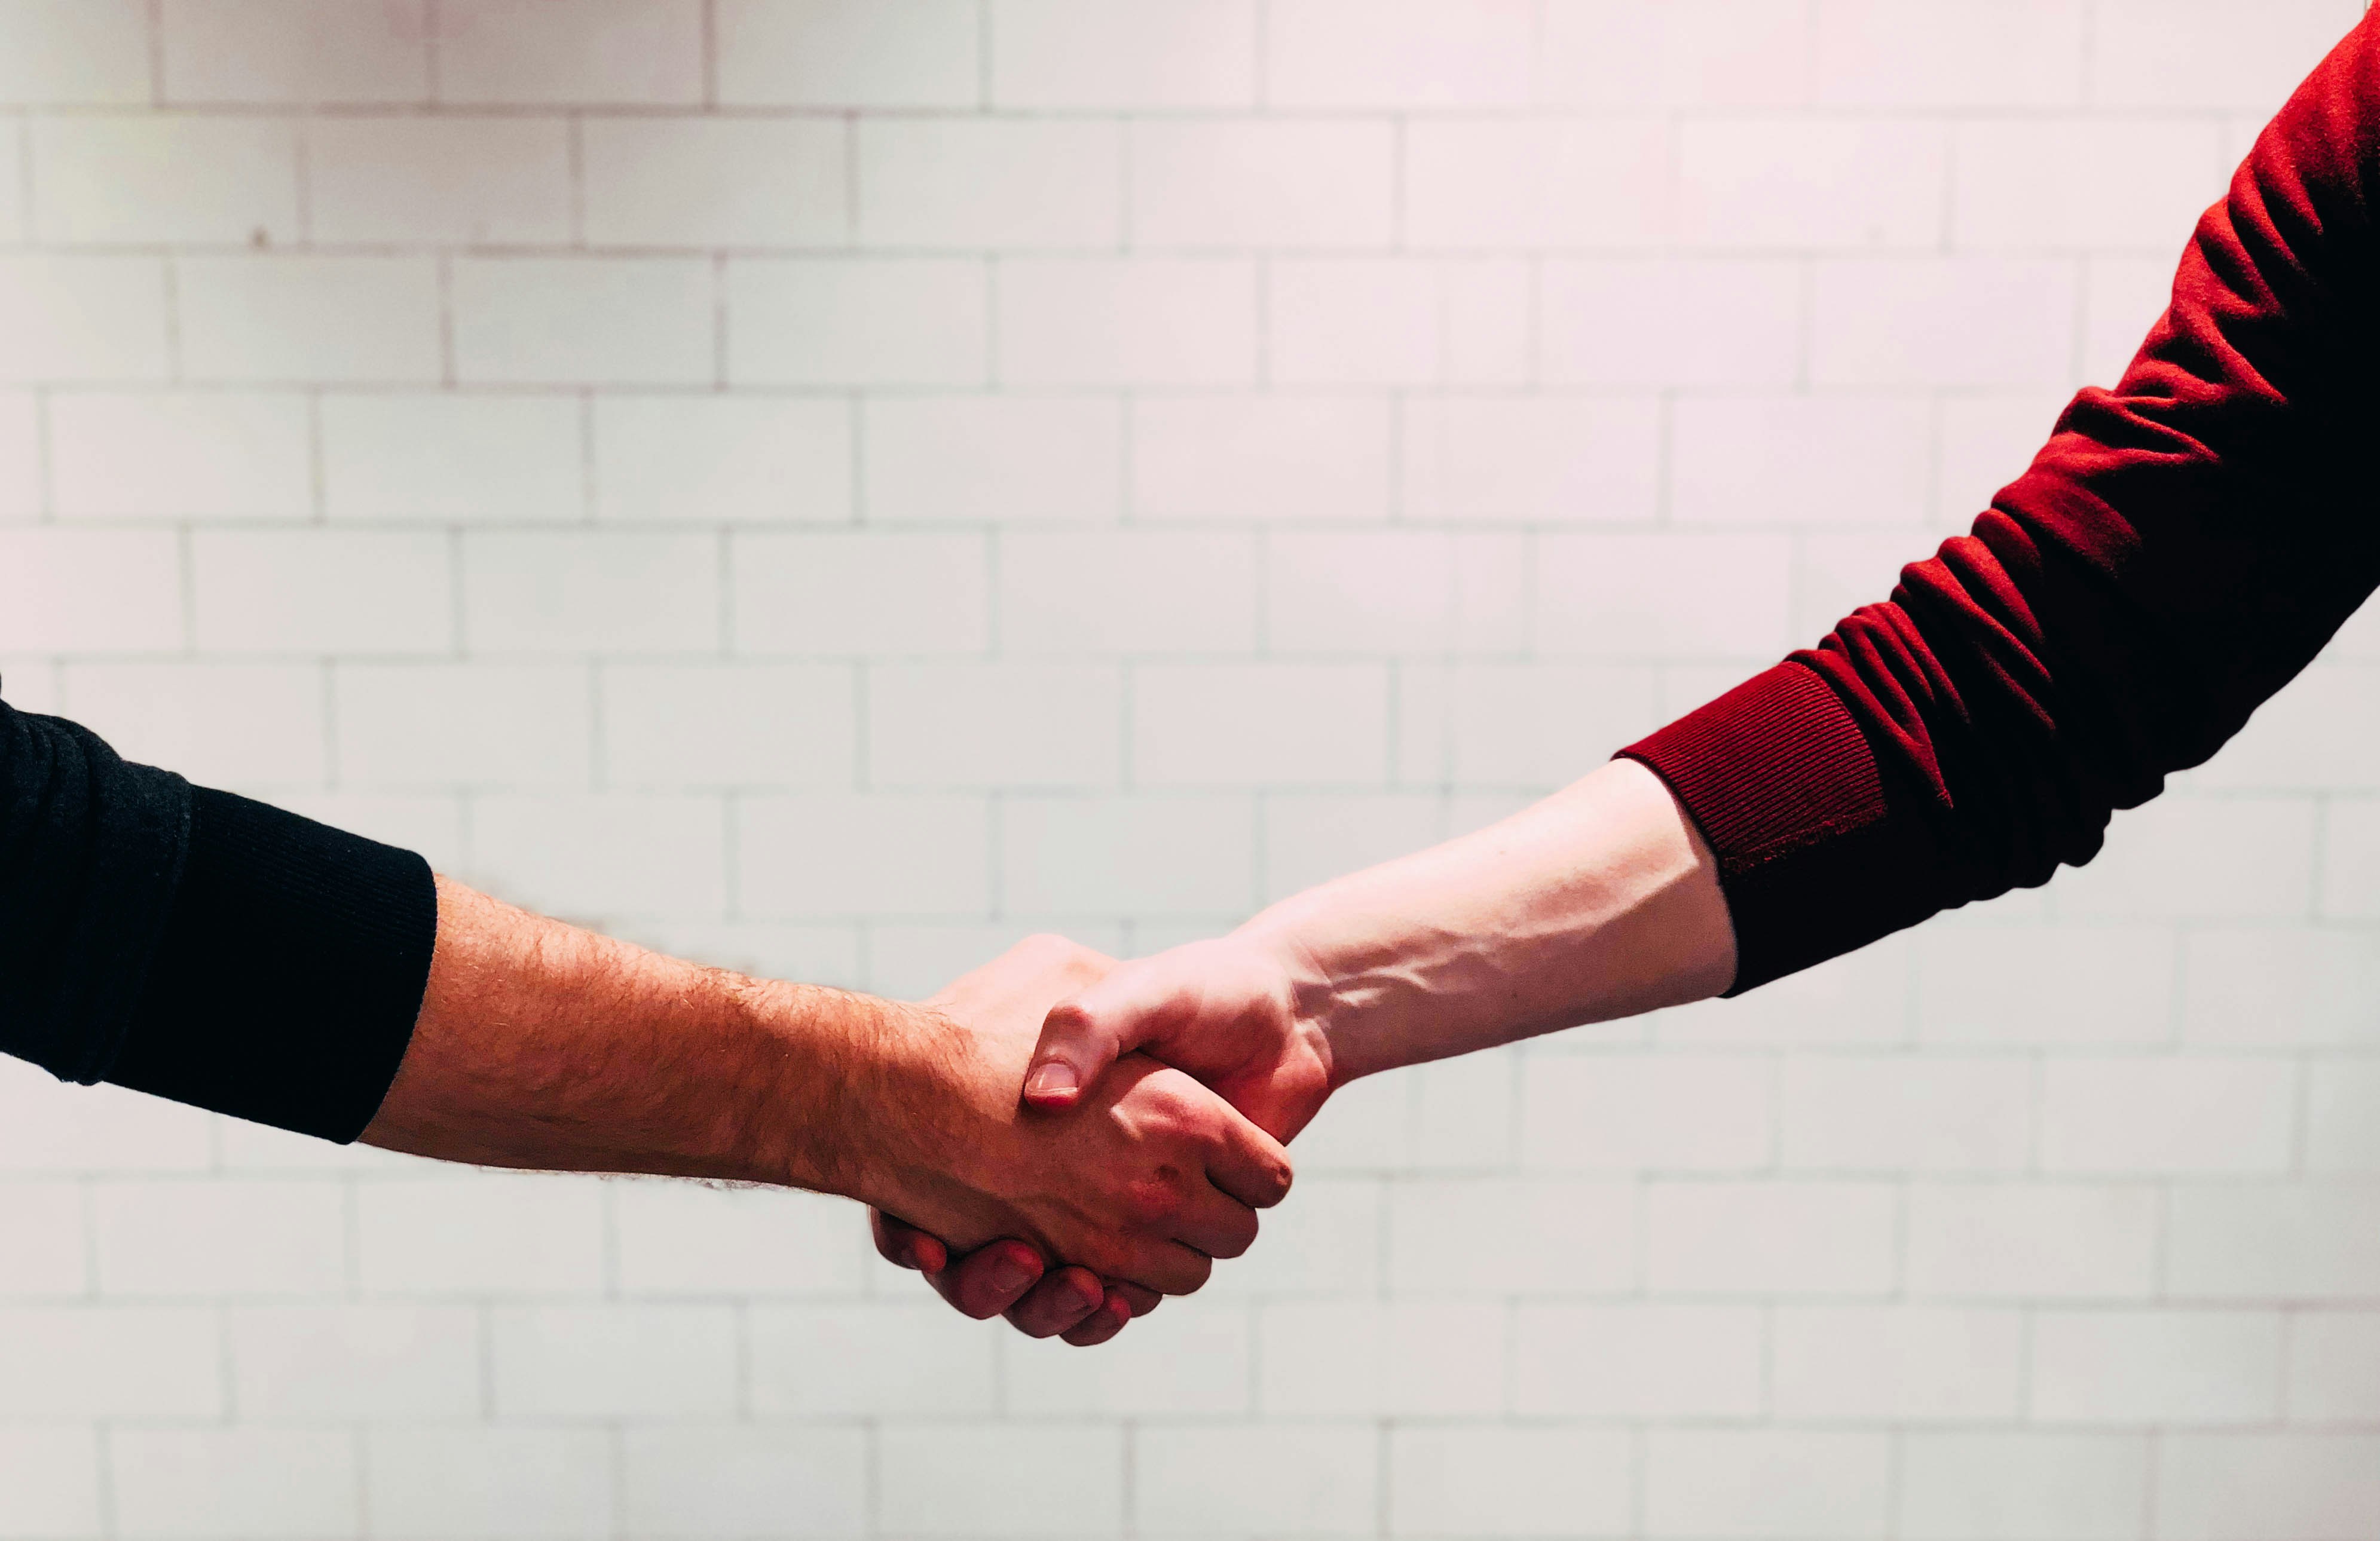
829,486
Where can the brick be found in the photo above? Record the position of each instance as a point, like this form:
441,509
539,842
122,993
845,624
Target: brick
1373,592
1771,1238
1798,184
1799,461
1637,1360
726,1480
879,593
90,591
583,592
2233,1486
469,1482
914,1357
1486,724
1730,54
1022,1480
1942,320
346,592
998,459
331,1361
912,959
141,180
849,54
1648,1113
1312,837
1189,1363
21,457
2321,733
2334,1366
1261,457
2081,184
2021,1485
1672,322
1533,460
1986,440
714,182
301,52
1748,1483
1152,321
1251,724
2252,1242
453,458
256,726
1906,1364
1859,998
53,1481
2236,859
110,1361
2145,53
681,1239
2163,1366
2167,1115
1325,1242
1425,53
2350,869
51,1128
1232,184
626,52
1898,1113
946,182
2078,985
1510,1481
664,460
499,725
288,318
1510,184
1533,1234
240,1239
2122,300
767,950
1304,1478
1134,855
1139,55
1642,596
1024,725
681,725
78,318
606,319
822,857
191,455
234,1483
50,1253
909,321
1094,592
483,1235
642,1361
470,181
71,51
1344,1358
1364,321
1940,53
2341,1134
1999,1240
607,855
1835,572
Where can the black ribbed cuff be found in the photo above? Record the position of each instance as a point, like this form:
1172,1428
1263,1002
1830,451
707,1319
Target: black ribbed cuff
284,986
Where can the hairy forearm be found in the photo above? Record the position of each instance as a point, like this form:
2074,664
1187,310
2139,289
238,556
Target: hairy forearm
1600,901
543,1045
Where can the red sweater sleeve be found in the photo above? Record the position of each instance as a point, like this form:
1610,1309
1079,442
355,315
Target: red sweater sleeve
2178,552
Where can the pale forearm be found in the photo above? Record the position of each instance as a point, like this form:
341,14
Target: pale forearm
543,1045
1600,902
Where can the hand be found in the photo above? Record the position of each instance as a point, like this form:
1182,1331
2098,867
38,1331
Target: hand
1145,1182
1240,1013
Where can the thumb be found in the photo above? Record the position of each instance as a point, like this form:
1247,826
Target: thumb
1086,1033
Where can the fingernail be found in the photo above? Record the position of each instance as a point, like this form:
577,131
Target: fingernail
1010,1273
1051,1078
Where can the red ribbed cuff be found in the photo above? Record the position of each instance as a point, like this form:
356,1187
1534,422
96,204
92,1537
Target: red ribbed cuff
1816,853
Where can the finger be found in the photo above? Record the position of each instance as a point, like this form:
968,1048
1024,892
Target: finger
989,1280
1060,1303
1111,1318
1168,1268
1142,1300
904,1246
1087,1031
1250,1165
1216,1223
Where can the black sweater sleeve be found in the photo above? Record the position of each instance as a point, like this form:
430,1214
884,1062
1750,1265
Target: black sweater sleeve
198,945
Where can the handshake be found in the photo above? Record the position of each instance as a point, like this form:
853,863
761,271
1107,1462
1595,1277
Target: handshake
1155,1097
